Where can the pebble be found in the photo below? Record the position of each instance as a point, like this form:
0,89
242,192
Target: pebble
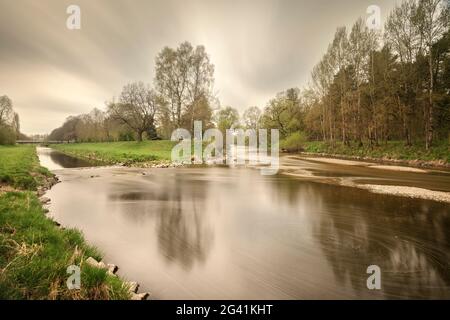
133,286
112,268
44,200
140,296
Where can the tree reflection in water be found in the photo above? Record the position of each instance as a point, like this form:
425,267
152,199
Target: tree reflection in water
405,237
182,232
273,237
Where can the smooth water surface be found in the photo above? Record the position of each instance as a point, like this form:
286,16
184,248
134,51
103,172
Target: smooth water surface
220,233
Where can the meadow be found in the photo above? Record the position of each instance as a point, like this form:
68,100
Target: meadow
125,152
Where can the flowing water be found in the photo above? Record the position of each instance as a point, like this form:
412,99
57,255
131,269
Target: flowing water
222,233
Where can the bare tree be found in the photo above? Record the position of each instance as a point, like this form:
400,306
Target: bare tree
137,108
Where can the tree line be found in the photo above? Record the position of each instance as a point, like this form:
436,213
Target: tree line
372,87
369,87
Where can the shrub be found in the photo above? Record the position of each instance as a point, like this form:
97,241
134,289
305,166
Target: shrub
294,142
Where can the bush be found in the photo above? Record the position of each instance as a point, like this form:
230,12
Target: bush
294,142
7,135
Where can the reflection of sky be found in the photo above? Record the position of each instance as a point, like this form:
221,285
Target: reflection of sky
46,160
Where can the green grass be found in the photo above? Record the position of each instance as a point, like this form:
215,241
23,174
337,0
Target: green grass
34,252
34,256
128,152
392,150
19,167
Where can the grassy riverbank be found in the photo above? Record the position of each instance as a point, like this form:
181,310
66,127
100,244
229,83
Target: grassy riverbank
34,252
128,152
19,167
392,151
137,153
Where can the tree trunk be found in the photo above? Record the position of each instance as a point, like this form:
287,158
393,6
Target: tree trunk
330,123
358,119
139,135
430,120
179,114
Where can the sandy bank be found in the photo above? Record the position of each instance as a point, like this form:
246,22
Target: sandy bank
399,168
338,161
364,164
410,192
432,164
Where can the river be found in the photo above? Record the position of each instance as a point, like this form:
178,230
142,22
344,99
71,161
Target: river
232,233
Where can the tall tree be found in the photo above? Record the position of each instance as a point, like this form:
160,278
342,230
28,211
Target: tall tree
251,118
8,126
284,113
340,53
227,118
403,38
322,77
184,76
16,124
359,54
6,110
433,21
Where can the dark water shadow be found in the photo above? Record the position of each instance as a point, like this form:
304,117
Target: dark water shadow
54,160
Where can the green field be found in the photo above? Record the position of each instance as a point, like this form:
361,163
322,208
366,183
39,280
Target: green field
34,252
393,150
19,167
127,153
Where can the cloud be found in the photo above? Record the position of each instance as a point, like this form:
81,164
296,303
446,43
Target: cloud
259,47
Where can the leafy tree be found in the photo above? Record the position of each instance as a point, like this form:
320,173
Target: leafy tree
227,118
284,113
251,118
6,110
184,78
9,121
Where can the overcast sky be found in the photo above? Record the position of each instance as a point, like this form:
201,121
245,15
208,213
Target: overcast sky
258,47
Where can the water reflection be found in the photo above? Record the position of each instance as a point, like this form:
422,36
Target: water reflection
231,233
182,233
184,237
54,160
406,238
